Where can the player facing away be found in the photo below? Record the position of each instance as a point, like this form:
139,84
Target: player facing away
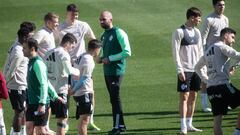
220,91
39,91
115,50
212,25
82,90
187,49
59,66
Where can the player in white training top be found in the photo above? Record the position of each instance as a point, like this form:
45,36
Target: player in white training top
83,87
15,71
212,26
45,35
59,68
187,49
12,68
221,92
81,30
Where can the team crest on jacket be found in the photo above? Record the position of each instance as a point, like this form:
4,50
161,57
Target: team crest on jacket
110,38
30,68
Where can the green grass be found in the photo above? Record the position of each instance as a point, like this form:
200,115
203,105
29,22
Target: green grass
149,96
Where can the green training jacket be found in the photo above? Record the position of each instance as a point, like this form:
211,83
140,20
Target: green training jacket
117,48
39,88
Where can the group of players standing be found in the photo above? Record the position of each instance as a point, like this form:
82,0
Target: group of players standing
203,59
37,71
39,74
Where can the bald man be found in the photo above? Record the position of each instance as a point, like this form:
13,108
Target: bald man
115,50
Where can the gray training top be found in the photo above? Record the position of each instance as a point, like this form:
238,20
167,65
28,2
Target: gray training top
186,48
217,59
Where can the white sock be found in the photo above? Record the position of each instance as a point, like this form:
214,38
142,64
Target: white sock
16,133
183,123
204,98
23,130
3,130
2,124
236,132
189,122
11,131
47,125
91,118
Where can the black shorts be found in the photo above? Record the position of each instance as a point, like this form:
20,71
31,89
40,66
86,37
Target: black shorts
61,109
222,96
18,99
84,104
192,82
38,119
52,104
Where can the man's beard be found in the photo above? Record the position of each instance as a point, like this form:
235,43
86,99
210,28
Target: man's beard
105,26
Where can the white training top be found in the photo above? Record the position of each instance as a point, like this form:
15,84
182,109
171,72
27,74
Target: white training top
15,69
217,60
85,64
186,48
79,29
212,26
59,68
45,40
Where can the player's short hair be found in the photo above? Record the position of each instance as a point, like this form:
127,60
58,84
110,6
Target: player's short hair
72,8
29,25
50,16
214,2
69,37
23,34
193,11
94,44
32,43
227,30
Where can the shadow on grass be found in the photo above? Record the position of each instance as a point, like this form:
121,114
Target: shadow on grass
165,114
152,131
200,116
146,131
162,113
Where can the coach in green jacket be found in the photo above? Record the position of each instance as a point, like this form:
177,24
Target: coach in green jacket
114,52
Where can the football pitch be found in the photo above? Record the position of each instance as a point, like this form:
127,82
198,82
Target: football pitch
149,96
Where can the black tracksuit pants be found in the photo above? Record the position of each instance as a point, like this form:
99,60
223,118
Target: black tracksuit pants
113,85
